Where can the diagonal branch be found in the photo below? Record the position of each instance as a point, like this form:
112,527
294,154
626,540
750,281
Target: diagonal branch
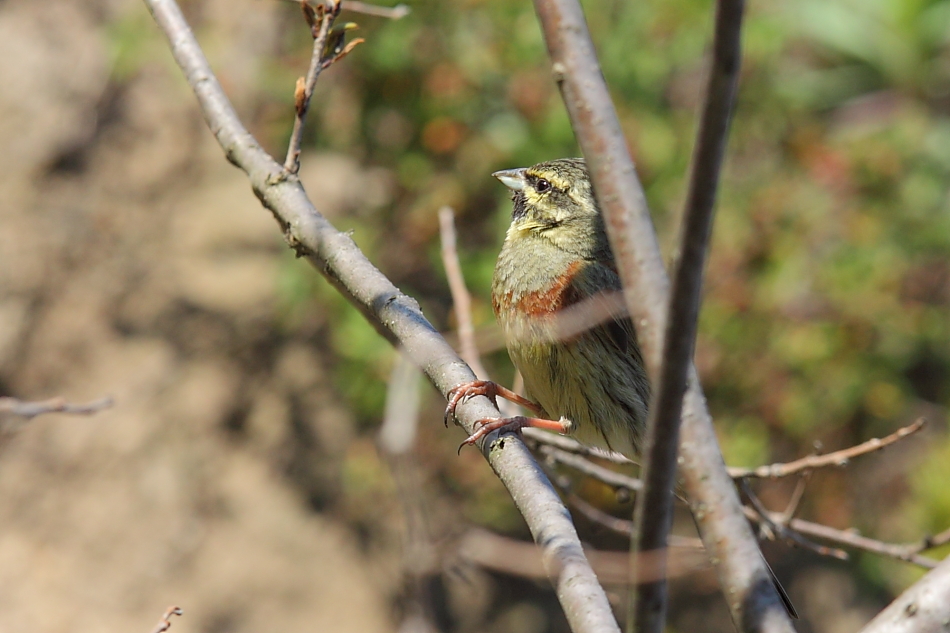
653,514
30,410
398,318
923,608
837,458
753,602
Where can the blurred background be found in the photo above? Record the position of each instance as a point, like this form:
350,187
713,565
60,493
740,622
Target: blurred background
238,474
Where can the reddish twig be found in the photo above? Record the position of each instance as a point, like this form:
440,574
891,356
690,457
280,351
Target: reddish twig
461,299
165,623
30,410
837,458
320,18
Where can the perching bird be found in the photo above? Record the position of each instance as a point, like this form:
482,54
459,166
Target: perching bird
580,363
555,265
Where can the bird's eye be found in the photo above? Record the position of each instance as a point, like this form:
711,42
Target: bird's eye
542,185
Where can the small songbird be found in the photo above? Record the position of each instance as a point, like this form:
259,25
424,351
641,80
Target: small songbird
580,364
586,380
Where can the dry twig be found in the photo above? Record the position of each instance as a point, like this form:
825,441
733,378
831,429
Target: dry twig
517,558
30,410
320,17
461,299
837,458
399,319
393,13
165,623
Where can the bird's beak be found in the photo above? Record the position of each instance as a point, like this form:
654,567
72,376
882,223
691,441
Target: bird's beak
511,178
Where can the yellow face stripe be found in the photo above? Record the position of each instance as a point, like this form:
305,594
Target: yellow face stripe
552,177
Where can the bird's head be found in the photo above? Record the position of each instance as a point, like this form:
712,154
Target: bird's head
554,201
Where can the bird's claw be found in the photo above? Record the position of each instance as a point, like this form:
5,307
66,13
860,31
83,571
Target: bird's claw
466,390
488,425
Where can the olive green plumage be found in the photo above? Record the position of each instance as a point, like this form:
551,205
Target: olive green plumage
556,258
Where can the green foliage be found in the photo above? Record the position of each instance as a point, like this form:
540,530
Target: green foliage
826,315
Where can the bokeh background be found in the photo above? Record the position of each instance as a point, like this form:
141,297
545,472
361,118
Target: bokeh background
238,474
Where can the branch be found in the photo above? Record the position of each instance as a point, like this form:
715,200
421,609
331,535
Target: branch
398,318
165,623
753,602
397,12
461,299
923,608
781,524
595,471
838,458
324,16
776,527
30,410
517,558
653,513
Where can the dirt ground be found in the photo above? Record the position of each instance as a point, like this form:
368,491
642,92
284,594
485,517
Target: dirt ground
135,262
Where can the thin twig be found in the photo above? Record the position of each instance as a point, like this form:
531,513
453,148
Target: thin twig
393,13
837,458
781,530
326,14
653,514
30,410
797,495
399,319
517,558
461,299
745,579
578,463
571,445
165,623
623,527
847,538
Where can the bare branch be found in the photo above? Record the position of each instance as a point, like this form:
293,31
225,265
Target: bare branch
578,463
923,608
753,602
653,514
398,318
776,528
850,538
571,445
622,526
30,410
838,458
393,13
518,558
325,15
461,299
165,623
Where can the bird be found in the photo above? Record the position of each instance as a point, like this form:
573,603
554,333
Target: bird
587,381
586,377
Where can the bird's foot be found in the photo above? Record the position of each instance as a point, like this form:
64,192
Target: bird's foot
515,424
490,390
